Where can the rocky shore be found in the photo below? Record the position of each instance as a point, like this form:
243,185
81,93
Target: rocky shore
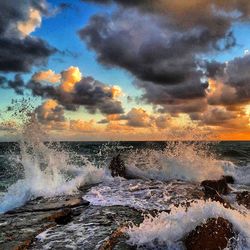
71,222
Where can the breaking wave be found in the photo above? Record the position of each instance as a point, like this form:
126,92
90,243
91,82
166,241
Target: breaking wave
48,171
168,229
193,162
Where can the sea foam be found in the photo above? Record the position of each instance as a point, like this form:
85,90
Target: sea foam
47,171
167,230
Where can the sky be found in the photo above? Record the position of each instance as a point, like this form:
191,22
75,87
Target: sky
147,70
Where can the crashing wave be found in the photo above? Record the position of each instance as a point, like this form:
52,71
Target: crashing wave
168,229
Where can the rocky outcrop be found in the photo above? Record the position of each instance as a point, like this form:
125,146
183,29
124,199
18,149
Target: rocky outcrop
212,187
228,178
96,227
243,198
19,227
61,217
215,234
117,167
117,240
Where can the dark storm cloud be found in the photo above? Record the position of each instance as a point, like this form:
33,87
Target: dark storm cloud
88,92
217,116
214,69
162,43
17,84
238,75
182,98
148,46
188,12
17,53
235,82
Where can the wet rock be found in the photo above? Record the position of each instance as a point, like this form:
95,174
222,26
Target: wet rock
117,167
19,231
116,238
19,227
215,234
228,178
212,187
61,217
213,190
95,228
50,204
243,198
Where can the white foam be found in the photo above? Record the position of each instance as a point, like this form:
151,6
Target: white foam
39,183
241,174
141,194
169,229
189,162
46,172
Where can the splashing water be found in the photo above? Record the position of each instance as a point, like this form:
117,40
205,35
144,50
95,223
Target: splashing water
178,160
47,170
168,230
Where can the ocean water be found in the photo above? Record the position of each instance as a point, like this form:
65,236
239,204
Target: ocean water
146,158
164,173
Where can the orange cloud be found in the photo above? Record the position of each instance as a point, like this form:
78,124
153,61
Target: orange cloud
82,126
115,90
49,111
47,76
70,76
28,26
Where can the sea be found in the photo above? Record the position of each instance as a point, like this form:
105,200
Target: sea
33,168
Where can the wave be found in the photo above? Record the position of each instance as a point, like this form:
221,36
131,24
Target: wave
183,161
241,174
168,229
47,171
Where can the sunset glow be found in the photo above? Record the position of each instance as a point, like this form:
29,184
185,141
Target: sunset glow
135,74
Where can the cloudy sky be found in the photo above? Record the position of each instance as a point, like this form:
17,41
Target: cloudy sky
127,69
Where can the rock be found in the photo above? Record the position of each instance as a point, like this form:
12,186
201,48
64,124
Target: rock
19,227
97,227
62,217
215,234
212,187
213,190
112,240
51,204
228,178
117,167
243,198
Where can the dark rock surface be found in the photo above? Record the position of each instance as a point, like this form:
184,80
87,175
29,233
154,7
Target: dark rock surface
19,227
243,198
212,187
228,178
117,241
61,217
51,204
95,228
215,234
